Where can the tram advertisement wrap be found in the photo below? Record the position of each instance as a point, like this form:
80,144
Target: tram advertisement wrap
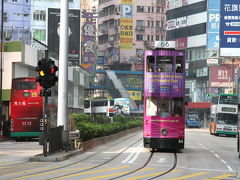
166,83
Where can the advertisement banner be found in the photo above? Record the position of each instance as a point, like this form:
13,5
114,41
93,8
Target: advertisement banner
89,41
126,25
230,28
221,76
165,83
73,32
135,95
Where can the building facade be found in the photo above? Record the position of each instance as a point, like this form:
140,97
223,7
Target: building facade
16,20
126,28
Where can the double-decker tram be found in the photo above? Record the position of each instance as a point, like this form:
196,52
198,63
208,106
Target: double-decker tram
164,104
26,109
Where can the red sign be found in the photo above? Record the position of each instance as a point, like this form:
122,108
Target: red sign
221,76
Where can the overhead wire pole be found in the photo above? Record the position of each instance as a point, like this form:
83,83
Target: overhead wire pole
62,114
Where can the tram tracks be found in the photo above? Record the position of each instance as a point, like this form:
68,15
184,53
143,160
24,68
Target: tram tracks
146,163
84,170
84,159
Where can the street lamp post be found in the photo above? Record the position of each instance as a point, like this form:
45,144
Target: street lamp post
1,66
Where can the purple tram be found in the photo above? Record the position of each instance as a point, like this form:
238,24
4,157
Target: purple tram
164,104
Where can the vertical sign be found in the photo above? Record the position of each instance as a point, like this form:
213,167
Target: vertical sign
230,28
73,32
89,41
126,25
213,24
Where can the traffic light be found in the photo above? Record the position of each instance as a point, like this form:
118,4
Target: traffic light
46,73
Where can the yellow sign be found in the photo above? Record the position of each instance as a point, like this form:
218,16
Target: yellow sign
135,95
126,25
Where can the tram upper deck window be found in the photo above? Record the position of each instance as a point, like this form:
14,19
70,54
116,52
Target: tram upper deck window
165,63
150,64
179,64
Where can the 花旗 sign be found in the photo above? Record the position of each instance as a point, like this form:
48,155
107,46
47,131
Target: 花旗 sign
230,28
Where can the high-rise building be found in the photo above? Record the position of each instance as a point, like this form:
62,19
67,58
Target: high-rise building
126,28
187,25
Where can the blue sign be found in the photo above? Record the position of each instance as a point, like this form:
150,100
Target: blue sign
126,11
214,4
213,29
230,28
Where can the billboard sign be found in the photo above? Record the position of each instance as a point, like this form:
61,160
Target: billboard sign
213,25
221,76
89,41
73,32
126,25
230,28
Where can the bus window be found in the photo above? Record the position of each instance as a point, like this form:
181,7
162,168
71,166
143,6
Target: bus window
86,104
179,64
20,85
163,107
165,63
177,107
228,99
151,107
150,64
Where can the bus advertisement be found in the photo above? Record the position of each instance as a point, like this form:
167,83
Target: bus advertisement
107,107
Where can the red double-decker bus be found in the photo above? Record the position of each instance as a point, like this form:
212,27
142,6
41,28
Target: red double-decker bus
26,109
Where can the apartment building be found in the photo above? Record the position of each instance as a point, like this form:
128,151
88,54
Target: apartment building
16,20
126,28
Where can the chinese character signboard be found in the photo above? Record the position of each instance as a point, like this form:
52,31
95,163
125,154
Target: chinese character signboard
222,76
89,41
213,24
126,25
73,32
230,28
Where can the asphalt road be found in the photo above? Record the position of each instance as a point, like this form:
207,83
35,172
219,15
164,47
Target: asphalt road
205,157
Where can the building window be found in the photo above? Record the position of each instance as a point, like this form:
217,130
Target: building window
148,23
152,23
149,9
148,37
39,35
5,17
39,15
157,23
152,37
14,0
158,9
157,38
140,8
139,37
140,23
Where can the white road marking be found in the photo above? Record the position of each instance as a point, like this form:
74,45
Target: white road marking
132,154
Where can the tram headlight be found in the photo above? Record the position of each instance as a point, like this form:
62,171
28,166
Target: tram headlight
164,131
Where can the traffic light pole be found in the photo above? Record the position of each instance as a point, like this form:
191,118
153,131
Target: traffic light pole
45,114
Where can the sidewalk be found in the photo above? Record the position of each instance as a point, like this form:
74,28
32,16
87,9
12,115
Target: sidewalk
63,155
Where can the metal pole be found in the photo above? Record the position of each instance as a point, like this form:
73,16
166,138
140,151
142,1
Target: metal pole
45,119
63,66
1,66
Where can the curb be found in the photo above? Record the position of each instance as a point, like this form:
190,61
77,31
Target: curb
62,156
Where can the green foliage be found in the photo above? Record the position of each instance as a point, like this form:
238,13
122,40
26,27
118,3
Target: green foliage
91,127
